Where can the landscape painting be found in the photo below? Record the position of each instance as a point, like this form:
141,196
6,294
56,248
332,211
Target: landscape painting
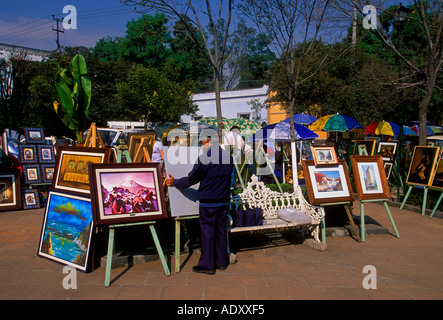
131,192
327,185
67,230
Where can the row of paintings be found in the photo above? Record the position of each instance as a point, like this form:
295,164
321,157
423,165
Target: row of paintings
327,178
332,184
87,192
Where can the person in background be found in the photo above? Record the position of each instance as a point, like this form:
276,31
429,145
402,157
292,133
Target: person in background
157,153
213,171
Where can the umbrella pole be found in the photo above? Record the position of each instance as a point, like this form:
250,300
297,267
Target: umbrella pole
294,165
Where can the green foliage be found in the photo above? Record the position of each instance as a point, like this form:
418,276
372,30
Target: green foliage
148,92
74,91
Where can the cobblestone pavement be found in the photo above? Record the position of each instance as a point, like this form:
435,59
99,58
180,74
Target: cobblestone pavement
407,268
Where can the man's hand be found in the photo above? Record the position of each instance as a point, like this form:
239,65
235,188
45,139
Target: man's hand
170,181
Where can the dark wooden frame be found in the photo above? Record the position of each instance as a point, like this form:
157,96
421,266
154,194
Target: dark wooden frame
381,175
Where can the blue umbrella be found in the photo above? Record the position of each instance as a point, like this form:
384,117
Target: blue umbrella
302,118
282,132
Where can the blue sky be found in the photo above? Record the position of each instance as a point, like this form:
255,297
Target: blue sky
29,23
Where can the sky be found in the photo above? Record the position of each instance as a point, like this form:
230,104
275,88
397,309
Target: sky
29,23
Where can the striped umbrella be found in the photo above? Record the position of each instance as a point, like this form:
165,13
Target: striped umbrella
387,128
336,122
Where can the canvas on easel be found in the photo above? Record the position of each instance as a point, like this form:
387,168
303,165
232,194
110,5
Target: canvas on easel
134,142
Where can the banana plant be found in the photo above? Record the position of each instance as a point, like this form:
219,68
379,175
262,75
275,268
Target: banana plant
74,92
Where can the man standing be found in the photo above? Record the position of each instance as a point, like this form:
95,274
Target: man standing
213,170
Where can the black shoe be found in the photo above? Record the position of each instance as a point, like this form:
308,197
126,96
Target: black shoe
222,268
201,270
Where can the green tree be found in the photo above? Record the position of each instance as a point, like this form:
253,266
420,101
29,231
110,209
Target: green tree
148,92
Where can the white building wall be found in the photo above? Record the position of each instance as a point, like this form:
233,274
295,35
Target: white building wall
234,104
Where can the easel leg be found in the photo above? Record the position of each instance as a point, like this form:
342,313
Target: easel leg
351,221
423,207
436,205
362,221
406,198
159,250
385,204
109,256
177,245
323,230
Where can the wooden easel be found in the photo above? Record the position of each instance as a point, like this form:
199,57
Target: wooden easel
143,152
111,241
362,216
93,137
351,221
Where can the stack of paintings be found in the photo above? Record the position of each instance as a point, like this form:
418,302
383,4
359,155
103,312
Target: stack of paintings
68,222
37,158
327,178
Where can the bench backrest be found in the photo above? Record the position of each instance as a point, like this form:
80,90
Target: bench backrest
257,195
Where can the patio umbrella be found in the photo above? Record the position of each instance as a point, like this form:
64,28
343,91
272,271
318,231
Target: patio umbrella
282,132
246,126
382,127
336,122
302,118
430,130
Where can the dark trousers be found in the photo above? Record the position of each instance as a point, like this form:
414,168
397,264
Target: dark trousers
213,223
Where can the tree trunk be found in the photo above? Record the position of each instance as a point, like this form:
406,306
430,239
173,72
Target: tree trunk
217,75
423,107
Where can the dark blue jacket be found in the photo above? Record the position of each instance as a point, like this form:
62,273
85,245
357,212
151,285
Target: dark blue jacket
213,170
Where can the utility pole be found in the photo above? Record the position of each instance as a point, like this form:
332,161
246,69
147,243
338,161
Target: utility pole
58,30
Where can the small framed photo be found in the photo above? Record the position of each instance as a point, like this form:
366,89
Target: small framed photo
370,177
67,230
28,153
437,180
130,192
32,173
421,169
34,135
324,155
71,170
31,199
47,171
387,150
364,147
46,153
10,196
329,184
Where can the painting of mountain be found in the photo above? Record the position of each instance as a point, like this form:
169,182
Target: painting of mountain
67,230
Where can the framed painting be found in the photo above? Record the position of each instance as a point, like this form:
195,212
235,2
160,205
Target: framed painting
67,230
10,196
47,171
34,135
437,179
364,147
32,174
327,184
130,192
387,150
46,153
324,155
422,166
370,177
28,153
71,169
31,199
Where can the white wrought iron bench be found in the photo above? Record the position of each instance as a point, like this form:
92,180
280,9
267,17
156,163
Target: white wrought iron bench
273,203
